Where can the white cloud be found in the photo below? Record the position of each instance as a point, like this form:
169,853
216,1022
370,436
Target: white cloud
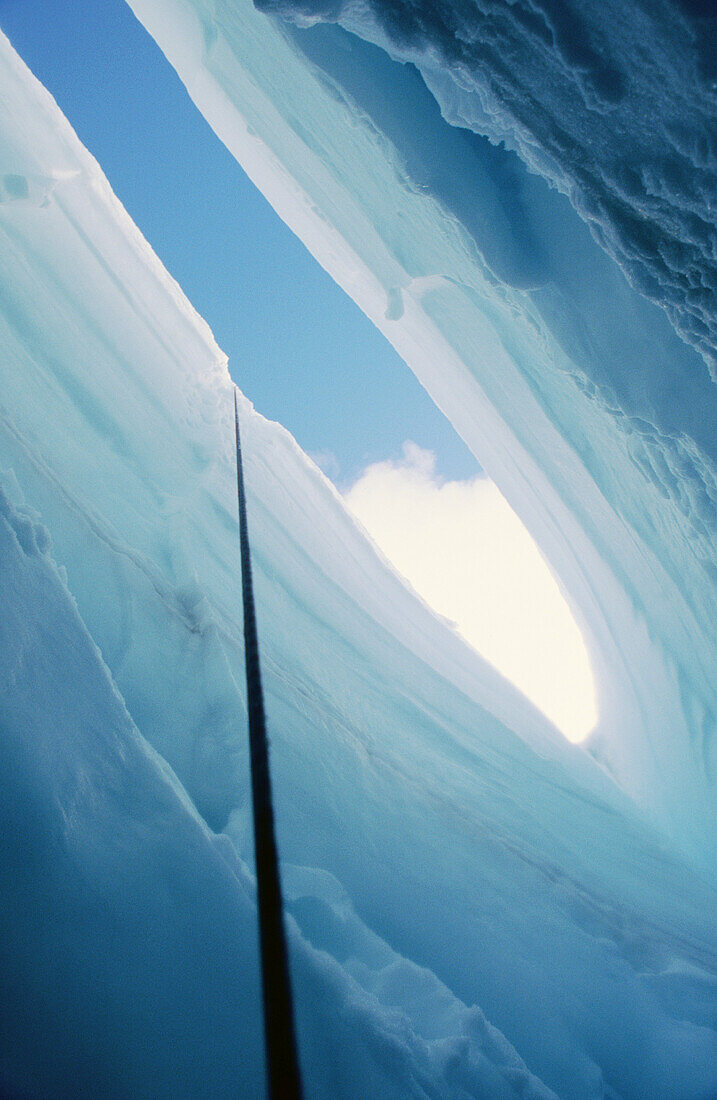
468,555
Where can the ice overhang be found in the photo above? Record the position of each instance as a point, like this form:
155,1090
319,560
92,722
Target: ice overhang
592,415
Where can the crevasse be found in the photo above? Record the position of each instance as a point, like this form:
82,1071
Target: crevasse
593,417
477,907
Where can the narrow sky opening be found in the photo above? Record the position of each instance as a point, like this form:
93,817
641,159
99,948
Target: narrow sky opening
303,351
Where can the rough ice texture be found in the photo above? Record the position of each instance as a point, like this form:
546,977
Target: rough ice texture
121,918
614,102
593,416
129,947
478,910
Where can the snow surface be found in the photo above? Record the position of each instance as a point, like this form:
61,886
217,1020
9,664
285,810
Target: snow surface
478,910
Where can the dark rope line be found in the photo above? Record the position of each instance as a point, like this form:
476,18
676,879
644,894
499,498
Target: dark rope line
284,1082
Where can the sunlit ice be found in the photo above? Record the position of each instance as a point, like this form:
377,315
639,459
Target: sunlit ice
466,553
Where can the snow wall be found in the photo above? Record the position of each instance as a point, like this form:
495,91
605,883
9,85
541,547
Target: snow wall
477,908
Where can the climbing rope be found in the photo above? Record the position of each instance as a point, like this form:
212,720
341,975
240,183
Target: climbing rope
284,1082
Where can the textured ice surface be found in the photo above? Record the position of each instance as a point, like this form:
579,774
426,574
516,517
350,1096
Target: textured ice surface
128,944
479,910
615,103
594,418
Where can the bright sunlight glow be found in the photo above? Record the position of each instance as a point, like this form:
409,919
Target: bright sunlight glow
467,554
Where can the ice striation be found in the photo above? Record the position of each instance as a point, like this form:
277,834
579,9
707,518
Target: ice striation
477,908
594,418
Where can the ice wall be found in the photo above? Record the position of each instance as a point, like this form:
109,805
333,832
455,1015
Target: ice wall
127,938
614,103
558,366
477,910
128,931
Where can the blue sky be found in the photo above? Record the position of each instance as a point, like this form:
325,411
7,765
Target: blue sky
297,345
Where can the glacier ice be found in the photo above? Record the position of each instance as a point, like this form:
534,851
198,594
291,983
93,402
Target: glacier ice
613,102
477,907
600,435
